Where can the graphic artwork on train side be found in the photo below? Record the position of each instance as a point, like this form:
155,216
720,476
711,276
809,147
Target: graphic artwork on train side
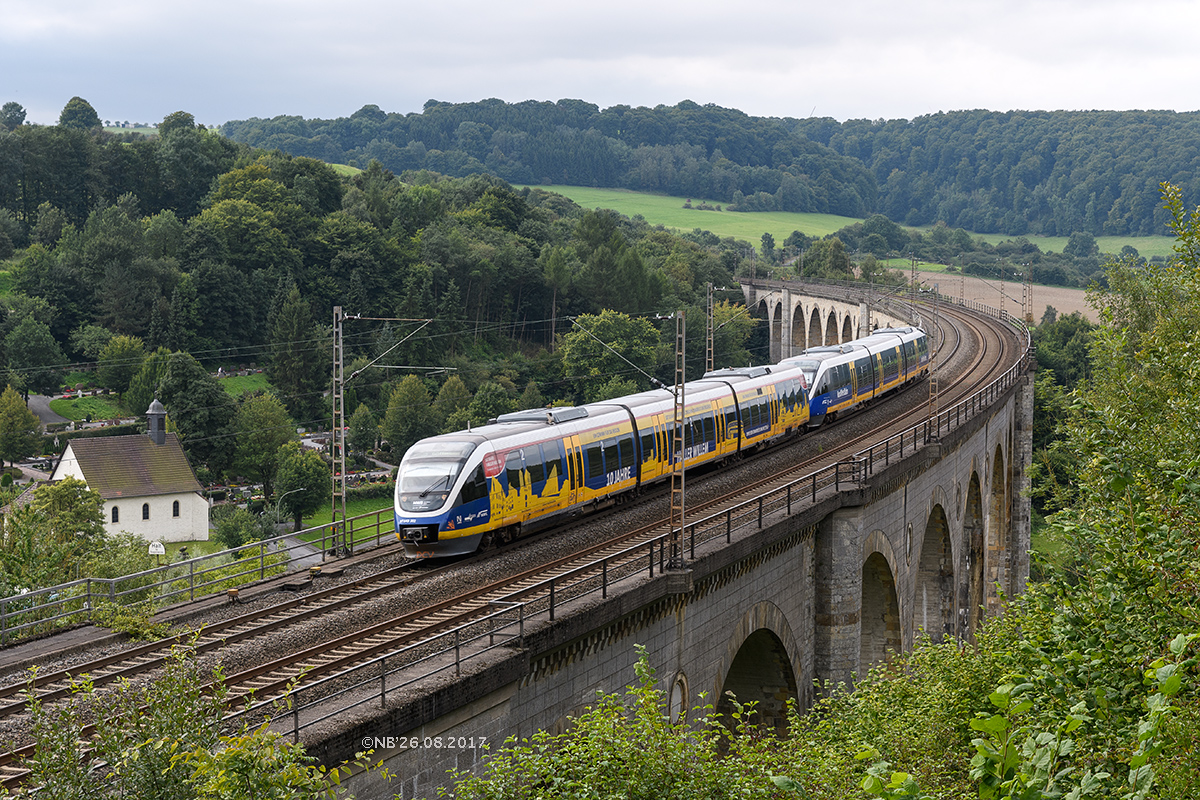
458,492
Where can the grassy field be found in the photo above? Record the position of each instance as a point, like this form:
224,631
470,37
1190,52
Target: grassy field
353,509
661,209
144,130
236,385
669,211
96,407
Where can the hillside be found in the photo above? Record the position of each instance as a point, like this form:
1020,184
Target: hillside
1049,173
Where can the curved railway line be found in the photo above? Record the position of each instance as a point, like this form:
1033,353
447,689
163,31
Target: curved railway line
973,352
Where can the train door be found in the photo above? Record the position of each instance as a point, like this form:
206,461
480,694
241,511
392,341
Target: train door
516,497
647,449
537,497
574,470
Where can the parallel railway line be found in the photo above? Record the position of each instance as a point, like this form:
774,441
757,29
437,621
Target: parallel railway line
981,349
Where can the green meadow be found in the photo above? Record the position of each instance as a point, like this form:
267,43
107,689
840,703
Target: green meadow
668,211
94,407
236,385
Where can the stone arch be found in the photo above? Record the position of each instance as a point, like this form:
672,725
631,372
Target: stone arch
757,667
831,328
997,533
880,631
814,327
933,604
974,559
847,330
776,312
798,329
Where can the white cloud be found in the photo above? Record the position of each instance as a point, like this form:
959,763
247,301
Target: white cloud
857,58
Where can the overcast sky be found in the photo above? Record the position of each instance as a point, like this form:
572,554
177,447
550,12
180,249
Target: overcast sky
139,60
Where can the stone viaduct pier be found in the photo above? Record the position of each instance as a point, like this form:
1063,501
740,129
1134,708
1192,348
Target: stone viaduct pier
816,582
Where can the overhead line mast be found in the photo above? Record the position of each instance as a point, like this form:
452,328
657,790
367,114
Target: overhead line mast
342,540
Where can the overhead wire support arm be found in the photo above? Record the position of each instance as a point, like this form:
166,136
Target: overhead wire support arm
342,540
383,355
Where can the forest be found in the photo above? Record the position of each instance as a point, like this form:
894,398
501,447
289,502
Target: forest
156,260
1017,173
117,246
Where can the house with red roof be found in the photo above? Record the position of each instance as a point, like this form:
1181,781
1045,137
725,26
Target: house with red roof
147,484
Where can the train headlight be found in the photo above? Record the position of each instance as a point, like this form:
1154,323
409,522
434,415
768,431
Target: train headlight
421,534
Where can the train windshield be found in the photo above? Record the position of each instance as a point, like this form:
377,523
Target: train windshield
428,472
809,369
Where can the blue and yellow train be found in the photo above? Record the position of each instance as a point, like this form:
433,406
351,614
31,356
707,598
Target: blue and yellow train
530,469
843,376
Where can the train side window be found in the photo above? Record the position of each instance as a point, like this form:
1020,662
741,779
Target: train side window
628,454
862,370
611,455
595,461
843,375
648,446
554,460
710,429
578,468
534,463
731,423
512,468
476,486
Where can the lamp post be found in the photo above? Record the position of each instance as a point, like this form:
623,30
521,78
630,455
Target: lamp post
279,501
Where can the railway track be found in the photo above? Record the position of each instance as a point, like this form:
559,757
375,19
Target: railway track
983,347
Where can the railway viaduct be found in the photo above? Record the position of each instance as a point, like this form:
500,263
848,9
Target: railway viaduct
922,540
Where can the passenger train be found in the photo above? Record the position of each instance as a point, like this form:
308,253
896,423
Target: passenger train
843,376
458,492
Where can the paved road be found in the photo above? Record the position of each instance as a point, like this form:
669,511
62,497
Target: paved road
39,404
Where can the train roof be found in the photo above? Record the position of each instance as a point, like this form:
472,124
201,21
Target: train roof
743,372
551,415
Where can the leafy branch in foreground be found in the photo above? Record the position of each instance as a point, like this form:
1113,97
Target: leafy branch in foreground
626,746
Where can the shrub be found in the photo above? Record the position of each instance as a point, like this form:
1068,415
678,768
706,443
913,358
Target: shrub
134,622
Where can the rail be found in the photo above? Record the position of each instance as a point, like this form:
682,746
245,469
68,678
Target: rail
71,603
379,678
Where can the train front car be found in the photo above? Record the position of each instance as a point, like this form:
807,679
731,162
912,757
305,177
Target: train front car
442,506
829,373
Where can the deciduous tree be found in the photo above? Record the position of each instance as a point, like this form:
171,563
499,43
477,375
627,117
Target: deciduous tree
12,115
299,367
363,429
19,427
607,345
409,416
34,355
263,426
200,410
119,361
78,113
303,481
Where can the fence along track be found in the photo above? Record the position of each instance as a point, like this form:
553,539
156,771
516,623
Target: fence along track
71,603
462,623
373,679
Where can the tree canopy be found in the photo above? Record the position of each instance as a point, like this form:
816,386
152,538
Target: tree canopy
78,113
1017,172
